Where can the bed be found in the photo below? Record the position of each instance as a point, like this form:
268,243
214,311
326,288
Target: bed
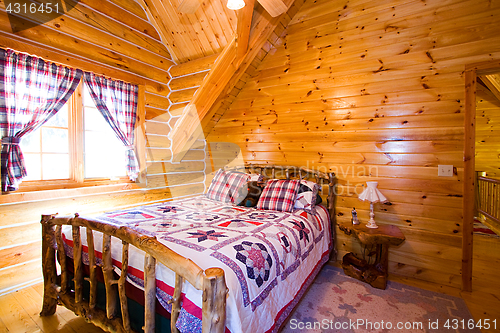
214,266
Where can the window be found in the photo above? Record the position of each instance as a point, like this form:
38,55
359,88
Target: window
76,147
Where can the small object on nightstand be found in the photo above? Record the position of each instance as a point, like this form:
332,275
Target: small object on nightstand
354,218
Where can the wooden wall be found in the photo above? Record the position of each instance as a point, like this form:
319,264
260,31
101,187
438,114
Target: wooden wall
373,90
487,132
112,38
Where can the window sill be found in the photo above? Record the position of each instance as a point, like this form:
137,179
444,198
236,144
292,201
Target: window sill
68,190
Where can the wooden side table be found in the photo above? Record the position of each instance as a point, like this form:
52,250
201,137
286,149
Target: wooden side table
374,274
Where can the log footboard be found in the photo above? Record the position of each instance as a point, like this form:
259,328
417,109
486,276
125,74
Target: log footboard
57,288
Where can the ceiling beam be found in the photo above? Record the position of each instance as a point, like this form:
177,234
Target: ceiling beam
188,6
227,70
244,23
188,128
492,82
160,23
274,7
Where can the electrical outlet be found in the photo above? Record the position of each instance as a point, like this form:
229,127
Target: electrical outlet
445,170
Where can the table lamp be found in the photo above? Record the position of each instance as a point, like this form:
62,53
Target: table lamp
372,194
235,4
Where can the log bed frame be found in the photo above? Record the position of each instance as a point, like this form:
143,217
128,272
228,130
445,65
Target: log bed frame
211,281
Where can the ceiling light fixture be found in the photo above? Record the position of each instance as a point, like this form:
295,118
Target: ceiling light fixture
235,4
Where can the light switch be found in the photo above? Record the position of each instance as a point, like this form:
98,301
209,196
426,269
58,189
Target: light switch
445,170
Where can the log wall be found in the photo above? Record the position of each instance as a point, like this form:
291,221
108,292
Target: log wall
116,40
487,133
374,90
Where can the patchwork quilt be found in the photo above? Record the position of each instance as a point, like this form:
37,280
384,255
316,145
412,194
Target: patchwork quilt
269,257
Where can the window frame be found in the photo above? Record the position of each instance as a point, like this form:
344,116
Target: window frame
76,153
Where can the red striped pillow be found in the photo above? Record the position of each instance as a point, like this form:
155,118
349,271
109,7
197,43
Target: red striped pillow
235,180
279,194
218,189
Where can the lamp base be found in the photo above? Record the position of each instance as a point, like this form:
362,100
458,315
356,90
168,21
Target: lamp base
371,224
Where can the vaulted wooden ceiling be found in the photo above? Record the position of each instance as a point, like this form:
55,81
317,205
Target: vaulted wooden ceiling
193,29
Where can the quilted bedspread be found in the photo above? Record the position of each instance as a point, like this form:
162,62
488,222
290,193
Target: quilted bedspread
269,257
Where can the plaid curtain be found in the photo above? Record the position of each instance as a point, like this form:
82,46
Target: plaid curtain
31,92
117,102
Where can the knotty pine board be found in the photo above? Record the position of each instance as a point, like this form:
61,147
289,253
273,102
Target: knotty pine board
367,85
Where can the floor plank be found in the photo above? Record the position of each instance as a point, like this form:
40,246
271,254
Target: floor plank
19,312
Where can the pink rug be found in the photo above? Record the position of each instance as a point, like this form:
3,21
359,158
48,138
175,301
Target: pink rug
338,303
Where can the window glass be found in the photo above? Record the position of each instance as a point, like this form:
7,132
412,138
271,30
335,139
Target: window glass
60,119
33,165
54,140
49,144
31,143
47,151
55,166
104,153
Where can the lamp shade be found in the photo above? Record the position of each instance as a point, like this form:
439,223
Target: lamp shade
235,4
372,194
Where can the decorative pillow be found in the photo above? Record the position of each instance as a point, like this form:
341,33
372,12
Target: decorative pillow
279,195
249,195
235,180
218,189
307,196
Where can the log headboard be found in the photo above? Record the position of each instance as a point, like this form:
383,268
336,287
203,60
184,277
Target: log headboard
289,172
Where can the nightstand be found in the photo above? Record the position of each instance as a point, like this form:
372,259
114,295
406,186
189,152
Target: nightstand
375,274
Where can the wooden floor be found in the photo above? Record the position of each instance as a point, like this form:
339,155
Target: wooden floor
19,310
19,313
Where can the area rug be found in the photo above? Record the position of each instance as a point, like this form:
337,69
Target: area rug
338,303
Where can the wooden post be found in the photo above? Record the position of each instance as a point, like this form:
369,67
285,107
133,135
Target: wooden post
77,259
214,301
331,210
176,303
92,269
107,271
121,288
61,253
469,178
48,267
149,293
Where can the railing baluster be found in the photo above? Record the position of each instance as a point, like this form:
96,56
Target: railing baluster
92,269
176,303
77,258
61,254
121,288
107,271
149,293
489,201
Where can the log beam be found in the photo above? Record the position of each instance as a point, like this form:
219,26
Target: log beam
244,24
274,7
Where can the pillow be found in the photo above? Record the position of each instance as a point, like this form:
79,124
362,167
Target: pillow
279,194
218,189
307,196
249,194
234,181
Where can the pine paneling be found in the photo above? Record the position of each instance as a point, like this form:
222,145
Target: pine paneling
372,90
